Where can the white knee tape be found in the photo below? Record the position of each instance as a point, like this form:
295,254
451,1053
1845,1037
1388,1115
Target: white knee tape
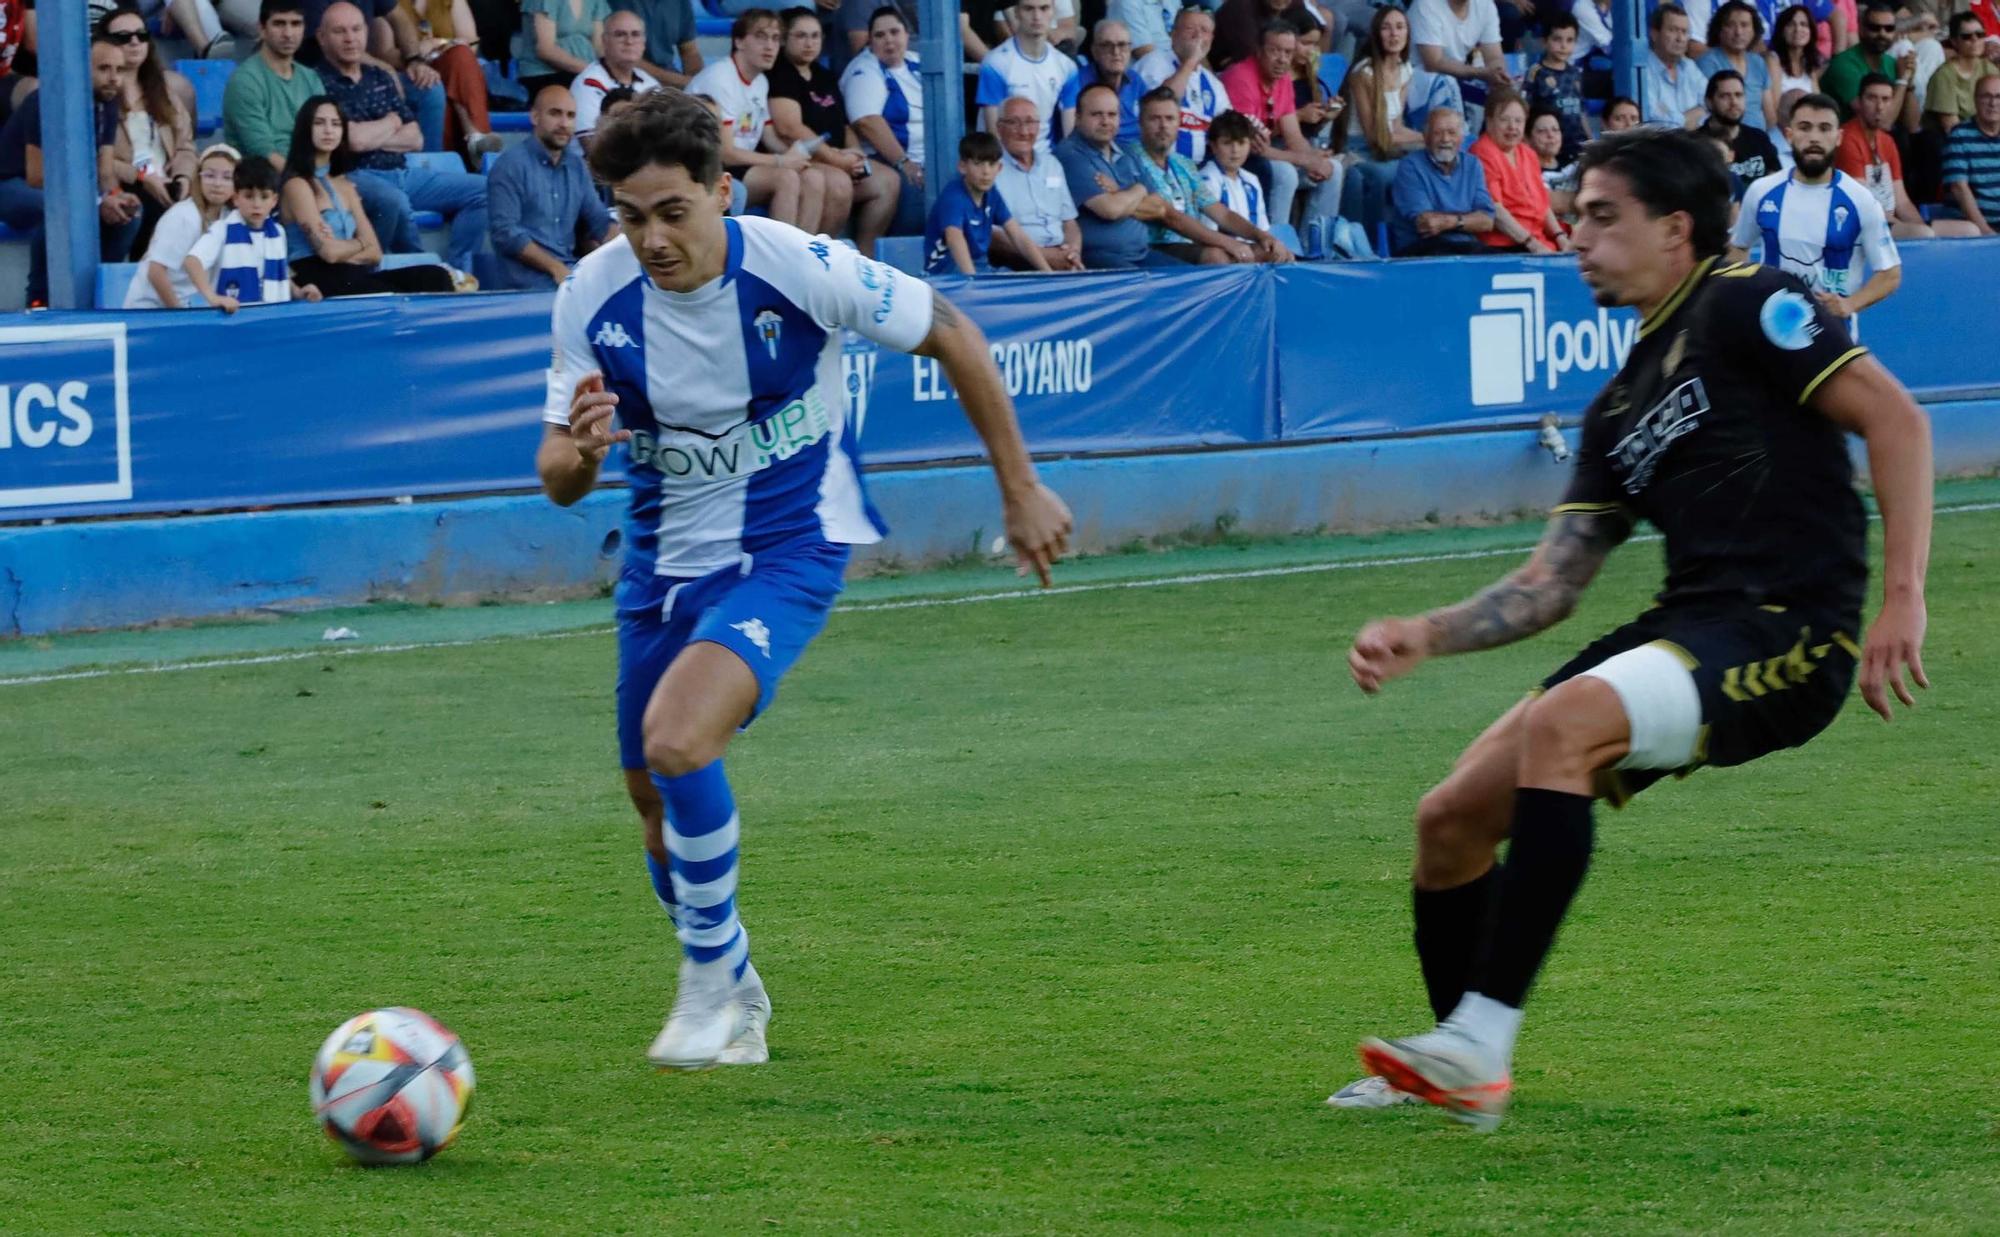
1661,705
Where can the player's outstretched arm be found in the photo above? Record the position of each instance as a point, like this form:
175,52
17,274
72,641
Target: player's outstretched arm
1865,398
570,455
1532,599
1037,522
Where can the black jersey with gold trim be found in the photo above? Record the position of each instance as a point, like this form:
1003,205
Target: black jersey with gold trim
1707,433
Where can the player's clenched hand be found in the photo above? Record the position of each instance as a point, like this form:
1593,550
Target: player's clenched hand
590,411
1895,641
1387,649
1038,527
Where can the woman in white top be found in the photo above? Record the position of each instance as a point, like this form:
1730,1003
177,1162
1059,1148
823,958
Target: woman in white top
1795,58
154,153
162,283
1377,92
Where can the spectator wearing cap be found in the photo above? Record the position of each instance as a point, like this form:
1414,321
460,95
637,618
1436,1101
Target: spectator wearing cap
621,65
1439,203
264,93
1752,154
540,199
1037,195
1112,201
1522,217
1262,89
1972,168
1675,86
673,54
1199,228
1868,153
1182,67
1111,64
162,283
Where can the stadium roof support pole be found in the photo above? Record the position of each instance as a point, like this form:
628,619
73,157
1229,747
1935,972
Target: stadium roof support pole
69,150
1628,49
943,56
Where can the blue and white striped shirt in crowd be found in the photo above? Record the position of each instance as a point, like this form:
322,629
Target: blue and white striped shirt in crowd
247,265
1972,158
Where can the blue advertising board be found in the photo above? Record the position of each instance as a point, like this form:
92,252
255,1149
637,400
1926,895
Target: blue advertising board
65,430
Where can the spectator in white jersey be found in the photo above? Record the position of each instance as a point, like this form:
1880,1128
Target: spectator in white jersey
885,104
621,66
1182,67
1234,187
1029,65
745,497
1199,228
777,175
1037,194
806,107
1818,222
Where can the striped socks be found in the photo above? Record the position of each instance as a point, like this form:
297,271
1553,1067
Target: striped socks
701,834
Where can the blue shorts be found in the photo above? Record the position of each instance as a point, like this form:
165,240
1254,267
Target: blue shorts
766,612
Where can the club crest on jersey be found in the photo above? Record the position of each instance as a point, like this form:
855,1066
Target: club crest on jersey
1840,216
1787,319
612,335
769,327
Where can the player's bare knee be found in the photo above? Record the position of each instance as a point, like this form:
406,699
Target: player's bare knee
674,750
1455,829
1574,730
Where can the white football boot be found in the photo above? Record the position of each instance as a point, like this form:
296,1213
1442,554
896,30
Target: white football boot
1373,1091
1445,1067
749,1047
706,1018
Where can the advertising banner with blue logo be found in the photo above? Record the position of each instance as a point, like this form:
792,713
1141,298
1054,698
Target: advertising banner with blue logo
65,432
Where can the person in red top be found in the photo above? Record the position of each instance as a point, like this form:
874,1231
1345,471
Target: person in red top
1867,152
13,32
1261,88
1523,218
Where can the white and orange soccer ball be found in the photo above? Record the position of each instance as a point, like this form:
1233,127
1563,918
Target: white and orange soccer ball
391,1086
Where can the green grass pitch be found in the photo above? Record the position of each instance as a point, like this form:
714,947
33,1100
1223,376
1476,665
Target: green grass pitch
1072,910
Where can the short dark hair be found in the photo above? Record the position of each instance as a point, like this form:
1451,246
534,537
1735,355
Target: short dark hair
1717,78
748,20
1959,19
255,174
1560,21
1276,25
1231,126
1658,21
979,148
1611,104
887,10
612,98
1158,94
1818,102
667,127
1879,6
1670,171
271,8
1872,79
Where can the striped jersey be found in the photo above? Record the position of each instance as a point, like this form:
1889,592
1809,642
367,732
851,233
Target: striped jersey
1050,82
1241,193
1817,231
733,392
867,88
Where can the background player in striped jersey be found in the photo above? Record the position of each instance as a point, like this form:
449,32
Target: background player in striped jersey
710,347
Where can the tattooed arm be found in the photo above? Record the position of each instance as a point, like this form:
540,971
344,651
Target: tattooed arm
1532,599
1037,523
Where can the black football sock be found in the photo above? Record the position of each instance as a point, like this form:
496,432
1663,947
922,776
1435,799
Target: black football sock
1450,924
1546,861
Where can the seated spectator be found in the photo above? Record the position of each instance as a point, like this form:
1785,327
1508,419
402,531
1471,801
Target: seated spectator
806,107
1239,192
1842,79
1240,26
162,282
195,22
1972,168
1949,96
1733,35
1556,82
1037,195
154,153
1674,85
1621,114
1261,88
240,260
329,240
779,176
381,127
1378,93
439,41
1545,138
1921,33
540,198
1200,228
21,172
558,40
619,68
1113,205
1439,203
960,232
885,104
1795,57
1182,67
672,56
1522,216
264,93
1593,28
739,197
16,82
1868,153
1029,65
1111,63
1446,74
1751,153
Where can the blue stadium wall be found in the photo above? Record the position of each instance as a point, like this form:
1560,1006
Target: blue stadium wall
376,442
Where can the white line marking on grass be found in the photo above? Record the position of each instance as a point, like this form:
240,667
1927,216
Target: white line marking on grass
873,607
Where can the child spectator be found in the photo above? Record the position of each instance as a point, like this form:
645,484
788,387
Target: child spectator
246,248
1230,137
960,231
1557,84
162,282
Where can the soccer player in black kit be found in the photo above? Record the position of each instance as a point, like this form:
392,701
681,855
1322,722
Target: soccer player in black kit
1726,429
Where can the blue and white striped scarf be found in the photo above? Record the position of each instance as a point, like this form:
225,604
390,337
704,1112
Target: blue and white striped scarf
252,265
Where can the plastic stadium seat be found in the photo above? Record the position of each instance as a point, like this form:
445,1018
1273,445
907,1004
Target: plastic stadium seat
513,122
1332,72
112,280
436,160
426,219
905,253
9,234
486,162
1290,236
1517,64
713,27
210,78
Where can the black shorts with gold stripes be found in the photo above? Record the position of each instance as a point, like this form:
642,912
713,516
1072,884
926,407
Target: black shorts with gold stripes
1769,677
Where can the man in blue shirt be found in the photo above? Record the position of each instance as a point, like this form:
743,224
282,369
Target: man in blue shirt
1674,86
1113,205
1440,200
537,194
1111,64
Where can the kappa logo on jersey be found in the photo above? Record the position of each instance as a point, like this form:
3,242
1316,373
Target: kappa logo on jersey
1770,207
756,633
769,327
1638,454
818,249
1513,337
612,335
1788,321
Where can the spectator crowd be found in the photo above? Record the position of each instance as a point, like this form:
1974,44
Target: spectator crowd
1104,134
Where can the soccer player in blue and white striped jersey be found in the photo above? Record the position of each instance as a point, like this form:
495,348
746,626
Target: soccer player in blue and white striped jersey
710,348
